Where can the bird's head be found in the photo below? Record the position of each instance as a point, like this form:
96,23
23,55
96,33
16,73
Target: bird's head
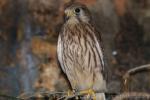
77,12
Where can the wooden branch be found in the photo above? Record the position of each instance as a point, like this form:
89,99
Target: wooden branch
133,71
133,95
64,96
136,70
8,97
60,95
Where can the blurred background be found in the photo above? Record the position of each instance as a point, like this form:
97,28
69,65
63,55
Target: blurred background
28,39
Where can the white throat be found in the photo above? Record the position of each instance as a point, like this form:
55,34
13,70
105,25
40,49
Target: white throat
73,21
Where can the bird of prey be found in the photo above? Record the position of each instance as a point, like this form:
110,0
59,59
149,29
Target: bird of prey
80,52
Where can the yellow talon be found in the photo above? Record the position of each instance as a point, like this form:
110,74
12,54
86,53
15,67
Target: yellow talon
69,93
89,92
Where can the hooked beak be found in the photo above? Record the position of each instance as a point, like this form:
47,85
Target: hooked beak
68,14
66,18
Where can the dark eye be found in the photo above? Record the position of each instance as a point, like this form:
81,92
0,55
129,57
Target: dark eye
77,10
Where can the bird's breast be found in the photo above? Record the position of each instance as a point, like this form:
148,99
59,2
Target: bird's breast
80,57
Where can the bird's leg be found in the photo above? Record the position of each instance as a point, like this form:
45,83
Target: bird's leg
70,93
90,92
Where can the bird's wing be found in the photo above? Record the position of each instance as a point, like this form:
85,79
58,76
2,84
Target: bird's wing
59,52
100,51
99,45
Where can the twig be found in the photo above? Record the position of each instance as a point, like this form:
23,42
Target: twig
136,69
73,96
63,95
32,94
132,95
9,97
133,71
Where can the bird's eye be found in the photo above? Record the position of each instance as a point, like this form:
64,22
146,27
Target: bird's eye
77,10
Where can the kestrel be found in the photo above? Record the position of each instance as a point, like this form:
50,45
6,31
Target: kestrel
80,52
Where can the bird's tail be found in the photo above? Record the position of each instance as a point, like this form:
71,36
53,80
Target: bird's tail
100,96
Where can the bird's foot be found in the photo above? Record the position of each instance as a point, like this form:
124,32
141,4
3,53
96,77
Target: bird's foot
89,92
70,93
